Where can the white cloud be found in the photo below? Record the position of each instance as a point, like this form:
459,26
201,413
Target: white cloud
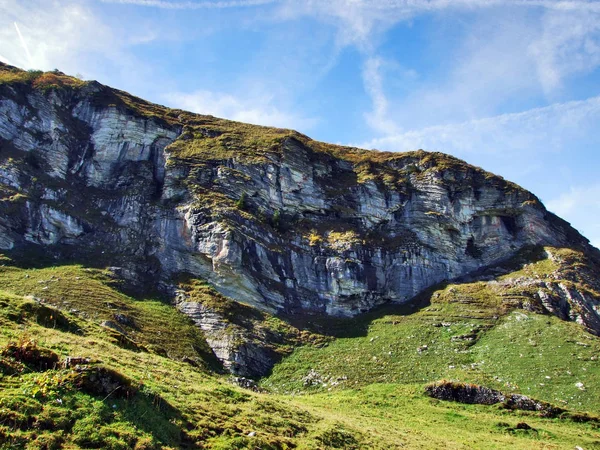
359,20
257,109
578,196
355,20
485,69
372,79
164,4
568,45
544,129
581,207
348,9
54,33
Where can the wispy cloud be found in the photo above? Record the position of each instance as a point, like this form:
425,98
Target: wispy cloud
503,60
404,7
359,20
566,5
517,53
581,206
187,5
373,82
548,128
259,109
569,44
56,35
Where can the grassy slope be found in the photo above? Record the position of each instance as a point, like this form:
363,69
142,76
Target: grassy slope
177,404
379,405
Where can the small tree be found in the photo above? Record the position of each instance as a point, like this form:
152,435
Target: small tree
241,203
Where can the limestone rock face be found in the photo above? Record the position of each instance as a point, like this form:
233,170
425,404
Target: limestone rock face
268,217
240,352
370,244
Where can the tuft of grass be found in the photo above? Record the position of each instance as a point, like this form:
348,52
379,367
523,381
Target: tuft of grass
55,80
207,138
43,81
10,75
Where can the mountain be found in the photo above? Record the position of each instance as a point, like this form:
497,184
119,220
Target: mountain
148,252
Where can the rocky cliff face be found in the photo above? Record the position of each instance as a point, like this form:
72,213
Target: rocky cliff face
269,217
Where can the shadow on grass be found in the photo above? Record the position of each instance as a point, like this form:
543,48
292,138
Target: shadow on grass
154,415
358,326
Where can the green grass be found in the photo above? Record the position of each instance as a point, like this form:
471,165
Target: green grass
10,76
207,138
90,294
545,358
43,81
400,416
366,390
176,404
398,347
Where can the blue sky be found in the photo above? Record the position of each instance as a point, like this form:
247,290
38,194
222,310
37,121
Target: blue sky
512,86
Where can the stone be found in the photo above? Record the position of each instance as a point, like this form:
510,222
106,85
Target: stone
113,326
75,361
476,394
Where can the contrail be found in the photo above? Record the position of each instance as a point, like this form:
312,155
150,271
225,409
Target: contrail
24,45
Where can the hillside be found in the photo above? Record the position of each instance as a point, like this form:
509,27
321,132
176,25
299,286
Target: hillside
152,258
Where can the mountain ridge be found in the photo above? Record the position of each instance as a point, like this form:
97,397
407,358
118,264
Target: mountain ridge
146,253
266,216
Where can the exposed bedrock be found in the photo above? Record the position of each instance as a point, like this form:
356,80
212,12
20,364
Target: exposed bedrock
297,229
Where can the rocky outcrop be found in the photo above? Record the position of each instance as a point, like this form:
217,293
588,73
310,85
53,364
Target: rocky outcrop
481,395
561,282
370,244
240,351
269,217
